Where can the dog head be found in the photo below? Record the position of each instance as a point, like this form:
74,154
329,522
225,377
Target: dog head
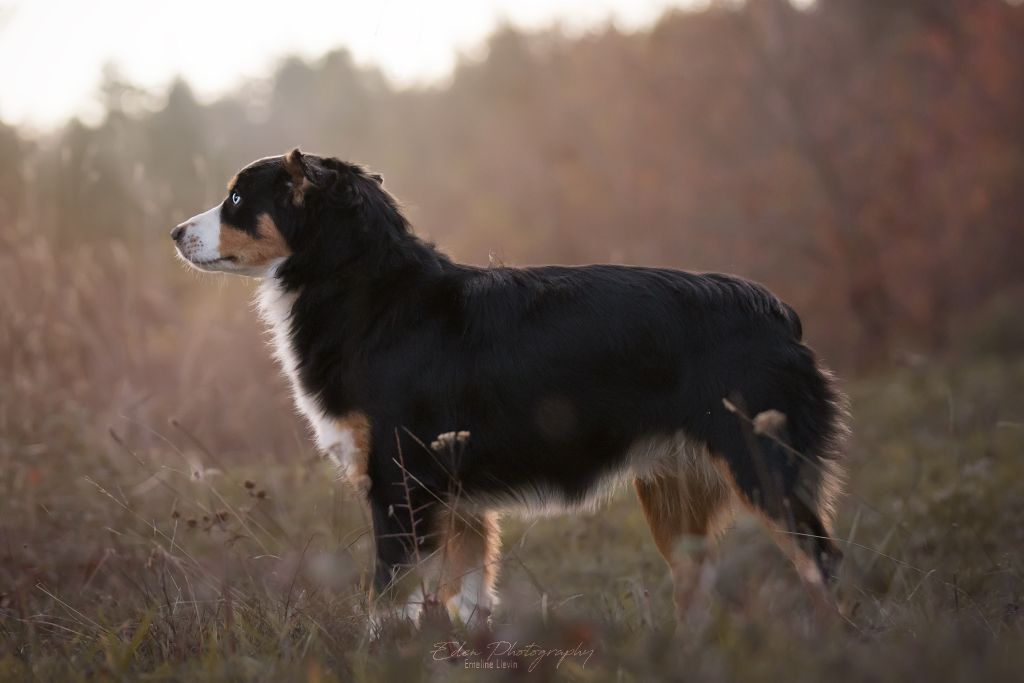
271,212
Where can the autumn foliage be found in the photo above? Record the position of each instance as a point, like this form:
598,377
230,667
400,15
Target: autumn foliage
863,159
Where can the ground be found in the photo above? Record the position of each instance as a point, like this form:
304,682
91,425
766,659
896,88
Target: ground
172,563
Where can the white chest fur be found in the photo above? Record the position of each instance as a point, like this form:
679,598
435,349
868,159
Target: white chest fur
344,438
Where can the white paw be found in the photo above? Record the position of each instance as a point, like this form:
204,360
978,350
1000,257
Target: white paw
473,616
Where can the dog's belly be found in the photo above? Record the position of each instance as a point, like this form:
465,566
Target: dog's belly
646,458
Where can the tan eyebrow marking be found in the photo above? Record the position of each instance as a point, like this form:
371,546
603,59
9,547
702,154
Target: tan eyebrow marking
231,183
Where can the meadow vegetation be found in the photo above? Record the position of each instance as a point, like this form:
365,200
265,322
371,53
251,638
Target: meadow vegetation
163,515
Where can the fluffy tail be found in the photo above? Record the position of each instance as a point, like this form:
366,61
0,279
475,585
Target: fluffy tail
781,437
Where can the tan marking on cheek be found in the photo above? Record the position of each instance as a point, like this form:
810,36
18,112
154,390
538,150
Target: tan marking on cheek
250,251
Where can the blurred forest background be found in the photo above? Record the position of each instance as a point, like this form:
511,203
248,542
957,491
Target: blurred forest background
865,160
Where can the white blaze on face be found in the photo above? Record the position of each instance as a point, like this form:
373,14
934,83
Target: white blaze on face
200,242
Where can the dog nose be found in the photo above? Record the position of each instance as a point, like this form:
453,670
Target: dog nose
178,232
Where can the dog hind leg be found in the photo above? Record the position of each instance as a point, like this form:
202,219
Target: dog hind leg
685,511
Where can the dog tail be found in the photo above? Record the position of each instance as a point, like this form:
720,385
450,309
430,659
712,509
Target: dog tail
781,435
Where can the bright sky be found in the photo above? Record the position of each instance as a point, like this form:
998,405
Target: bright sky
52,51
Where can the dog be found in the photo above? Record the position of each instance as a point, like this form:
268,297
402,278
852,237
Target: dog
448,394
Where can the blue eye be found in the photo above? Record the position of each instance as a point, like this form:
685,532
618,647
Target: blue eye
236,198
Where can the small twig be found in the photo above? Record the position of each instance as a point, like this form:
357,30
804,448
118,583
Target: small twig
295,575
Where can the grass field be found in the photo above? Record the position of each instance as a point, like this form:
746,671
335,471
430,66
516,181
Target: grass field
189,532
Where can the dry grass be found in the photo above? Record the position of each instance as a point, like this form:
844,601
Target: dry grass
163,517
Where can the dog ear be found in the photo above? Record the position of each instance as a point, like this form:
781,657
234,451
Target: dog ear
305,174
378,177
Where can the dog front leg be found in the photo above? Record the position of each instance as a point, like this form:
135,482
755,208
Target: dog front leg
346,441
406,566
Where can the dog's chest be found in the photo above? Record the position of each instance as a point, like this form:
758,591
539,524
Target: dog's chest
275,306
333,434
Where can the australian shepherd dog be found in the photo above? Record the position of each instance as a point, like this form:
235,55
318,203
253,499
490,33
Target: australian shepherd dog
448,394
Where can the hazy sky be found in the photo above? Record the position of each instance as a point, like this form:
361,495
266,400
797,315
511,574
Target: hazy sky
52,51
